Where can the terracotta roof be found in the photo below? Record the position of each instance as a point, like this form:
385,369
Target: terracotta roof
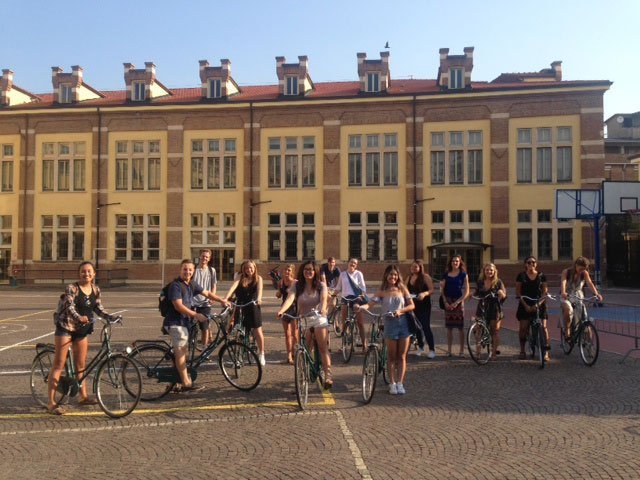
323,90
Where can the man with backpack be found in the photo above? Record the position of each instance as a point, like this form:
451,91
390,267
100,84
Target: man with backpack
205,276
181,293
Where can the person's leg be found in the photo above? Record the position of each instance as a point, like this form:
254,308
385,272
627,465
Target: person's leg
495,335
259,336
547,345
449,340
343,317
62,344
288,339
392,355
79,349
567,311
522,334
180,354
321,337
461,334
363,333
401,358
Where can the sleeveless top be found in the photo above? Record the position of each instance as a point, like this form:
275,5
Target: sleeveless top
307,301
575,287
246,294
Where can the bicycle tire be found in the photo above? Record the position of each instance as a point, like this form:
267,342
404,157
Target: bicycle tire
240,366
564,344
301,373
383,360
157,370
541,346
369,374
39,379
347,343
118,386
479,343
589,344
335,318
214,335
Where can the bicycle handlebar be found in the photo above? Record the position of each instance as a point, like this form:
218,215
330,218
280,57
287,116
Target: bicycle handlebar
536,300
490,294
378,315
236,305
313,312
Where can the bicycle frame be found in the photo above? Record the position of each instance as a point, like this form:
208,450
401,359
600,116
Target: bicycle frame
535,327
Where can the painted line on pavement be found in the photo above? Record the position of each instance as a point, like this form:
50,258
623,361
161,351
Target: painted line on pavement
25,341
353,447
24,316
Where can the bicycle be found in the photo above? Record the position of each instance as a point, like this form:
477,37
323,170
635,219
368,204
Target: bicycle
239,332
535,334
375,359
479,339
239,365
351,330
117,383
583,332
333,317
307,364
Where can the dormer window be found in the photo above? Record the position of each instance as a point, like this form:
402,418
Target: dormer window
215,88
138,91
291,86
373,82
456,78
66,93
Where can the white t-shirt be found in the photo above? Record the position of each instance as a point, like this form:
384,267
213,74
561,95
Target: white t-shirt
344,285
206,278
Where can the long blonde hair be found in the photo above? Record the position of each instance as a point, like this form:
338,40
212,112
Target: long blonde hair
244,280
481,278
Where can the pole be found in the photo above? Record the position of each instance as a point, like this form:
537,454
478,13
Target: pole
596,233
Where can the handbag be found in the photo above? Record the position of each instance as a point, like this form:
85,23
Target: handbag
415,328
357,290
441,302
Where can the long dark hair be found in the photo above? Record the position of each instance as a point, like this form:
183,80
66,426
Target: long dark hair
385,283
302,282
421,281
463,267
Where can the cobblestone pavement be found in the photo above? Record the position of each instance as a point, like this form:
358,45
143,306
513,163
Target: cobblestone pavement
506,420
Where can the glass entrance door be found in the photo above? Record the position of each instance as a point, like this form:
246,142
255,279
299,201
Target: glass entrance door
224,262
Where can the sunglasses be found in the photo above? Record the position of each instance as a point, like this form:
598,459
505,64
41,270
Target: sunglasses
531,262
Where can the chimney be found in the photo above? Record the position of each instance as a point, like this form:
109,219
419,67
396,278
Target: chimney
379,67
557,70
6,84
455,70
222,73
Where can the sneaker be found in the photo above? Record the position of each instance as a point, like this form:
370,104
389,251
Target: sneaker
263,362
431,354
419,352
393,389
400,389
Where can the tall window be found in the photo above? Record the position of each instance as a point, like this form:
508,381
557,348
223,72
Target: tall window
291,162
213,164
524,243
291,85
138,91
380,165
373,82
294,231
62,237
215,88
7,158
137,237
373,235
540,235
456,78
463,152
212,230
137,165
63,166
552,151
5,236
65,94
565,244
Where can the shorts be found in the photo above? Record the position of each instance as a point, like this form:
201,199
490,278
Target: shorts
179,336
79,334
206,311
396,328
317,321
572,309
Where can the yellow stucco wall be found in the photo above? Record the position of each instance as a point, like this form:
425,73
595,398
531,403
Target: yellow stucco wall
9,201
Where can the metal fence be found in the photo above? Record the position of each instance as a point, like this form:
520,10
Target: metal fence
622,320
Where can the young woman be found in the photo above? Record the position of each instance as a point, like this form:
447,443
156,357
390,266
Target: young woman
420,284
488,282
351,285
395,298
248,287
455,290
533,284
76,307
310,293
572,282
289,326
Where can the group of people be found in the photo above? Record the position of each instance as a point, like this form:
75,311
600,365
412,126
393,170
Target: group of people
308,290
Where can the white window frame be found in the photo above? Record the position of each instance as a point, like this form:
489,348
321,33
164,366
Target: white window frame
65,93
138,91
456,78
291,87
373,82
215,88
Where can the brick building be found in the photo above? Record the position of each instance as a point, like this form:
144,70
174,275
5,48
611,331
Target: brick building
379,168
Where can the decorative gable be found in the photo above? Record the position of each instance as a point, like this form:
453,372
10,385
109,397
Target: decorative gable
142,84
10,94
217,81
454,72
374,74
70,87
293,78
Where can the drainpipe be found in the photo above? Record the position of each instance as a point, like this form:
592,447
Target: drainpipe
24,199
415,182
251,180
99,186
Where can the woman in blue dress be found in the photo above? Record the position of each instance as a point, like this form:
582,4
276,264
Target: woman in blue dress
454,288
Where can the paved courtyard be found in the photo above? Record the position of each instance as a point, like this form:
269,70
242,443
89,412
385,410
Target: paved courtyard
506,420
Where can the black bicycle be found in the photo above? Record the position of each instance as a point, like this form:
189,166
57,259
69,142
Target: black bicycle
479,340
237,362
351,330
375,360
117,383
535,336
583,332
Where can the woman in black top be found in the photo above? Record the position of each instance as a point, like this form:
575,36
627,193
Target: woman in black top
420,284
533,284
289,326
488,282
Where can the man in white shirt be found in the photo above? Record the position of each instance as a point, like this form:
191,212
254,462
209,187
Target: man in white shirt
205,276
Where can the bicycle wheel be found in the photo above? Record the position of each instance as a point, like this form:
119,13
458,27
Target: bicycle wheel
240,366
542,341
39,379
589,344
118,386
214,333
369,373
479,343
301,371
383,357
334,318
564,344
157,370
347,342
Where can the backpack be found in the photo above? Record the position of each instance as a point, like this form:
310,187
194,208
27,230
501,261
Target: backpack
164,304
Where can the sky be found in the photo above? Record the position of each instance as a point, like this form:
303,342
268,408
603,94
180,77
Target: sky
595,40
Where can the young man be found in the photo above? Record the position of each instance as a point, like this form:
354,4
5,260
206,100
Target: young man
205,276
181,294
329,273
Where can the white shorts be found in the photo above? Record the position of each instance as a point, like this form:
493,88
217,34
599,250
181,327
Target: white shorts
179,336
571,309
317,321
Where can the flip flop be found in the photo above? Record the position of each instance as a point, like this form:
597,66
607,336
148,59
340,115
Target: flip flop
57,410
87,401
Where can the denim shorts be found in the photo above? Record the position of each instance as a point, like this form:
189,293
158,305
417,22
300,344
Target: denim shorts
79,334
179,336
396,328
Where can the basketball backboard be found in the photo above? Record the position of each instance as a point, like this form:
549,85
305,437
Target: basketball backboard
574,204
620,197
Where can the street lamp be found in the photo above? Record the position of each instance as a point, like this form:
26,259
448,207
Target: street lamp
415,226
251,205
100,205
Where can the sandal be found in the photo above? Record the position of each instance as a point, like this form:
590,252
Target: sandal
522,356
56,410
87,401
